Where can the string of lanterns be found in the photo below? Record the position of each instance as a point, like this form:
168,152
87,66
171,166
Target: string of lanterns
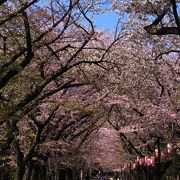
146,161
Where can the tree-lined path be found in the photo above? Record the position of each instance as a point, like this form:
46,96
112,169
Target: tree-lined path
78,101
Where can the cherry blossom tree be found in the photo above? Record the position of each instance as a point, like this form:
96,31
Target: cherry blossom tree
44,46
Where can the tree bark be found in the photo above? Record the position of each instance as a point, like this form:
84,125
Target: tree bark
81,174
20,172
35,175
87,175
29,172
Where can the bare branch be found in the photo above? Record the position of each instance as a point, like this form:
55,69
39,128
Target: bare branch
175,13
13,72
167,52
2,1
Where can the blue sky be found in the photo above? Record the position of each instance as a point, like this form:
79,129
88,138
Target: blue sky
105,21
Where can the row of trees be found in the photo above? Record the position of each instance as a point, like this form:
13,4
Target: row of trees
47,108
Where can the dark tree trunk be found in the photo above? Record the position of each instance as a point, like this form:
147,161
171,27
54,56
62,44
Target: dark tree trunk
159,158
43,174
87,175
35,174
29,172
20,172
62,174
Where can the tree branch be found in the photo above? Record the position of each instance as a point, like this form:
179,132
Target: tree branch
130,143
2,1
175,13
13,72
167,52
23,8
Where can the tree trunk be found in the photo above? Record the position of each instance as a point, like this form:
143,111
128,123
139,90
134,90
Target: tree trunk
81,174
20,172
43,173
29,171
87,175
35,174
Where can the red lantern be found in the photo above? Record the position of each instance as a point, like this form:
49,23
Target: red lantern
126,166
169,148
147,161
134,165
162,156
137,159
153,160
156,153
141,161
